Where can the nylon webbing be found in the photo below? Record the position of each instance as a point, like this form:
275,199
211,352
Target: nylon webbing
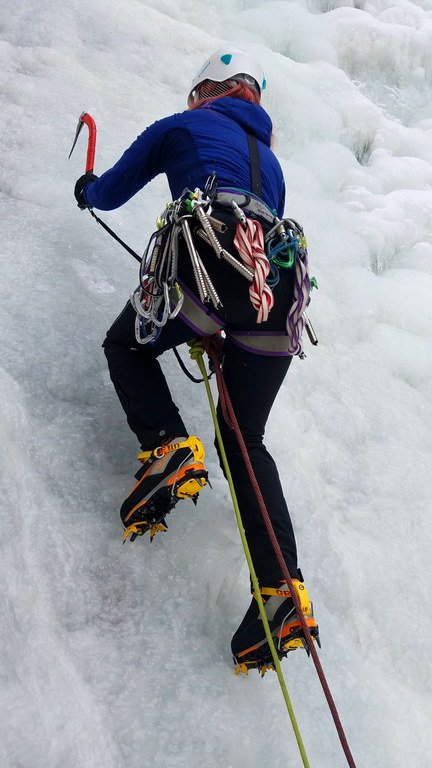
255,165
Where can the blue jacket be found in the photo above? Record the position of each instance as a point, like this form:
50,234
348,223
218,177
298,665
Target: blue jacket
188,147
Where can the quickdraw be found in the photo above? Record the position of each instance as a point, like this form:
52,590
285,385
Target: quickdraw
158,274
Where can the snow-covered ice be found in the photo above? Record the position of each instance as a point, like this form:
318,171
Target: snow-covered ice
119,656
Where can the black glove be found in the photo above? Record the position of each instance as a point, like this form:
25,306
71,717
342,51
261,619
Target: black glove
82,182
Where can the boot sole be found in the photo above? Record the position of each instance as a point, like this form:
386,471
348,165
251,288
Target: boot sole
184,483
287,638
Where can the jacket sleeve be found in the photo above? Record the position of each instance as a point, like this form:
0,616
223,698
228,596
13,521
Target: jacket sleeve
137,166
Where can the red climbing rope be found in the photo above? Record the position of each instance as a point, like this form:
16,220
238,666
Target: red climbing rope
211,345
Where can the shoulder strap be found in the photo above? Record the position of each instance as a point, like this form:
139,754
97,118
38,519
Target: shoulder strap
255,165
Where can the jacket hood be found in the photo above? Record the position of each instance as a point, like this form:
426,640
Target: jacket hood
252,117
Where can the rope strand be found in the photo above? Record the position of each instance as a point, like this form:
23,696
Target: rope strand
296,320
196,352
210,345
249,241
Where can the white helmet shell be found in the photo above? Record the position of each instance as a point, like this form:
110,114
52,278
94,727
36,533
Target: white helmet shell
225,64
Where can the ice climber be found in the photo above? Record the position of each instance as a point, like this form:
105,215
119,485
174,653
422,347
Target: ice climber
222,142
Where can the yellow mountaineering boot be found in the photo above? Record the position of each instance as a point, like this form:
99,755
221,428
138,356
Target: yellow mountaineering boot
249,644
171,472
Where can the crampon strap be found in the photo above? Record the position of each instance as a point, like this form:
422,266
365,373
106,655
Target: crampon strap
162,450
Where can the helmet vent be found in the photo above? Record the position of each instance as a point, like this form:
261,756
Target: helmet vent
209,88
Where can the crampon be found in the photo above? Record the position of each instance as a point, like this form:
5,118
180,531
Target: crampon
159,507
169,473
262,659
249,644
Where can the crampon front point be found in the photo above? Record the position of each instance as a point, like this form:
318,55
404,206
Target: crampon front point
157,508
262,659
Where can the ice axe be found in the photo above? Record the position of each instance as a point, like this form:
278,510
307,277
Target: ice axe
87,119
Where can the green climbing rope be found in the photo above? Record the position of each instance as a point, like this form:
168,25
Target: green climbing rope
196,353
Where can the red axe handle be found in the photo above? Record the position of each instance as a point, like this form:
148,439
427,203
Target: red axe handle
91,147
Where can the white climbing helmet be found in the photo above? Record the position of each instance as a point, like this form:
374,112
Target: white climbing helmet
230,63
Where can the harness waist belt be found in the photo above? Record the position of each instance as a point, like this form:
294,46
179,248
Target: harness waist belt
204,323
247,203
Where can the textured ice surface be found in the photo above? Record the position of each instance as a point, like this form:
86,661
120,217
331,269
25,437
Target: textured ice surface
119,656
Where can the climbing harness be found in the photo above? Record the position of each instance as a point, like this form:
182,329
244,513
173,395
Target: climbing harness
159,296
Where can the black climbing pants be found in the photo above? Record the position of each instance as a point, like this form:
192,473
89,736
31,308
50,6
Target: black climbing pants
253,381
